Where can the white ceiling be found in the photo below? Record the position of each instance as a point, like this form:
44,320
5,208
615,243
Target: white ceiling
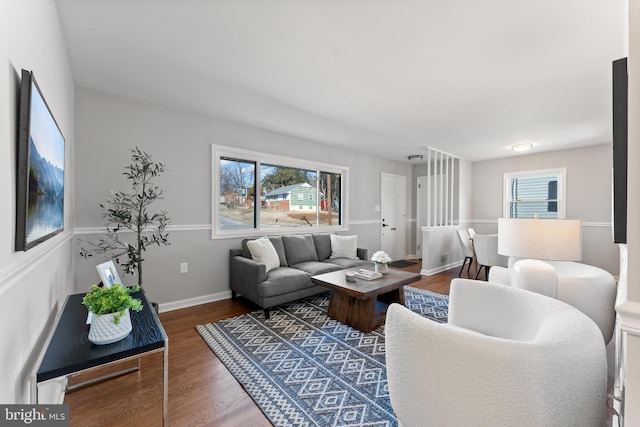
390,77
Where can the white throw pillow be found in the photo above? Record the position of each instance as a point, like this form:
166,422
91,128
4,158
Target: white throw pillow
263,252
344,246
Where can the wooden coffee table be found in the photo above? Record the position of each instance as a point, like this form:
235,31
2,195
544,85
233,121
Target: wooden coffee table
363,304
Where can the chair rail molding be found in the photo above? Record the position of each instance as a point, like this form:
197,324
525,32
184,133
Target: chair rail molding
584,223
78,231
629,317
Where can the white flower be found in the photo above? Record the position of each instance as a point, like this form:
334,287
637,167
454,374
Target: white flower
381,257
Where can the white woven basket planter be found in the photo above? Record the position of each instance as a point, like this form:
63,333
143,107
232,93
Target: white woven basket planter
104,331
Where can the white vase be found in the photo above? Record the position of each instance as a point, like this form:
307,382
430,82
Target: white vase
382,268
104,331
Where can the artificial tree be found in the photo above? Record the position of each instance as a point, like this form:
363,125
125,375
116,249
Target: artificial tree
128,212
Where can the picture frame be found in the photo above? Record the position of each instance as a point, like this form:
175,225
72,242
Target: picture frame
40,169
108,273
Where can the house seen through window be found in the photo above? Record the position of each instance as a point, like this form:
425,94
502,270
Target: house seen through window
257,194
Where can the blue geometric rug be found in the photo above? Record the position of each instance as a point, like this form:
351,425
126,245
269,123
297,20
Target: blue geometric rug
303,368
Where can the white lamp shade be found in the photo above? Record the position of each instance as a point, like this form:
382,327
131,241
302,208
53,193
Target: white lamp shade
546,239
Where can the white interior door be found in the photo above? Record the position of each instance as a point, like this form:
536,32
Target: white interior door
393,215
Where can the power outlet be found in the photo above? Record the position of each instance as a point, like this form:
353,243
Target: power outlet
184,267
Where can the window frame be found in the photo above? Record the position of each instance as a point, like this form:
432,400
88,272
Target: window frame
219,151
561,175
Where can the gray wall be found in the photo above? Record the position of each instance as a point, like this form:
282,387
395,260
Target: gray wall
108,126
588,195
588,198
33,284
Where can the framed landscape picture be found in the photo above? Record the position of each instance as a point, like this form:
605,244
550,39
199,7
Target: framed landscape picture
40,169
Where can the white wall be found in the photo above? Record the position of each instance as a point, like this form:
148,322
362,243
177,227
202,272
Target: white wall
441,249
33,284
632,397
589,177
108,126
588,195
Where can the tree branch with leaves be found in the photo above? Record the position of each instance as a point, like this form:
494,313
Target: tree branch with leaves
128,211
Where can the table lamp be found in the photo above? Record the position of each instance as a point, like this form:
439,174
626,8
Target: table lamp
538,240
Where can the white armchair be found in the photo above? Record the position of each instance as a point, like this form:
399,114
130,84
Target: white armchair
507,357
590,289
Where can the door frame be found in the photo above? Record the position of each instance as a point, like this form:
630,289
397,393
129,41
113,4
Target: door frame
383,199
419,202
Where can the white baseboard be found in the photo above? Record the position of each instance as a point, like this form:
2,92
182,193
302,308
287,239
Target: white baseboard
440,269
51,392
190,302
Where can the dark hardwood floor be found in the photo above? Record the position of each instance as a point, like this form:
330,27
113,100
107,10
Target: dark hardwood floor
201,390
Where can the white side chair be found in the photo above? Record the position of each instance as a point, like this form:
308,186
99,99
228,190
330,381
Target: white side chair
507,357
486,250
467,250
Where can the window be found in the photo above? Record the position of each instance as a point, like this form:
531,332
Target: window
541,193
256,193
237,191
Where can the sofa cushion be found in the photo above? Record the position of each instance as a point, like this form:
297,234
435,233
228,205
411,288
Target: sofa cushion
299,248
262,251
283,280
245,248
346,262
276,241
323,246
315,267
344,246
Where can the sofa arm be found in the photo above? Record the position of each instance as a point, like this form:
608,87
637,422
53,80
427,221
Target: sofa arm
245,274
363,254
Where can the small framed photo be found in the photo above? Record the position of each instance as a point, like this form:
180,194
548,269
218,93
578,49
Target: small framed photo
108,273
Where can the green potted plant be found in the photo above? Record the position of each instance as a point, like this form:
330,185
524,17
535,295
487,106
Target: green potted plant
110,307
129,212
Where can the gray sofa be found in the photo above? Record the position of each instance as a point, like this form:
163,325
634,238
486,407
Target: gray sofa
301,256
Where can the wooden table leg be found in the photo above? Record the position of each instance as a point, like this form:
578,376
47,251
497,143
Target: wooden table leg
362,314
397,295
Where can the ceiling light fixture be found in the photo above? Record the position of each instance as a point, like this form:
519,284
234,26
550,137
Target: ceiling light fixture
416,157
522,147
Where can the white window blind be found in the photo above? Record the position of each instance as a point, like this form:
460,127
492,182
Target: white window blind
532,193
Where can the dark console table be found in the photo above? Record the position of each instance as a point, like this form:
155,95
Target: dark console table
70,352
